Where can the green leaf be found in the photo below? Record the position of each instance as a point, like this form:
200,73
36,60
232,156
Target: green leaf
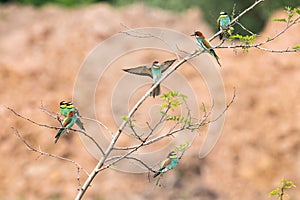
183,96
125,118
174,93
274,192
175,103
297,47
181,147
164,105
289,184
288,8
280,191
279,20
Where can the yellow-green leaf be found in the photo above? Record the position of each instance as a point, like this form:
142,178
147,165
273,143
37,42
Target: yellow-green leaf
279,20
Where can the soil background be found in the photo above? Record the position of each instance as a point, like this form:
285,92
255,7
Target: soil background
41,51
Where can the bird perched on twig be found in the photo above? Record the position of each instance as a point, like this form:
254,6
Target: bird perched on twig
168,164
70,107
204,44
68,122
223,23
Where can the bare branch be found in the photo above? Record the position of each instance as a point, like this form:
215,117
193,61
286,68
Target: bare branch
31,121
90,137
226,108
119,158
139,34
52,114
100,123
43,153
243,27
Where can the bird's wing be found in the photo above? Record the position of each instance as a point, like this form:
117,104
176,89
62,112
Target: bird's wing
80,124
166,163
77,112
165,65
67,121
140,70
206,44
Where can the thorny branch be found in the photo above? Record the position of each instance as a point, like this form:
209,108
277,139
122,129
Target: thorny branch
43,153
31,121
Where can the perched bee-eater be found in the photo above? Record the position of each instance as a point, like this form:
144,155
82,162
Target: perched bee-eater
67,123
204,44
167,164
71,107
223,23
155,72
63,108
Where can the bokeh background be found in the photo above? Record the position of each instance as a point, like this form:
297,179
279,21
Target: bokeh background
42,45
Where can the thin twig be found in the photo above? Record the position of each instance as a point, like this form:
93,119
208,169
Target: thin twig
139,34
43,153
243,27
100,123
31,121
52,114
226,108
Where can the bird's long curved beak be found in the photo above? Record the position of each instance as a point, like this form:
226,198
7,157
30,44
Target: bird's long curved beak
193,34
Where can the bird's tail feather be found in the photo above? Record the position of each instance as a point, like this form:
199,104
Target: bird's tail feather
155,92
221,36
80,124
60,132
160,171
212,52
156,174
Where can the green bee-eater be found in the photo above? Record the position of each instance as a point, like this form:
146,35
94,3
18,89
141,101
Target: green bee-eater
67,124
223,22
155,72
71,107
66,107
204,44
168,164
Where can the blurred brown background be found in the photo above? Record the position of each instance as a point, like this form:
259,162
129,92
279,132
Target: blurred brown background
41,51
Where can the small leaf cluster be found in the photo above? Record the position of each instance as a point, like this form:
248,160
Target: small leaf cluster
291,12
280,191
181,147
247,40
172,99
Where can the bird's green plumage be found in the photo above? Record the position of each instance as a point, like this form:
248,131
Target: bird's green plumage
68,122
168,164
156,75
65,108
223,23
204,44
